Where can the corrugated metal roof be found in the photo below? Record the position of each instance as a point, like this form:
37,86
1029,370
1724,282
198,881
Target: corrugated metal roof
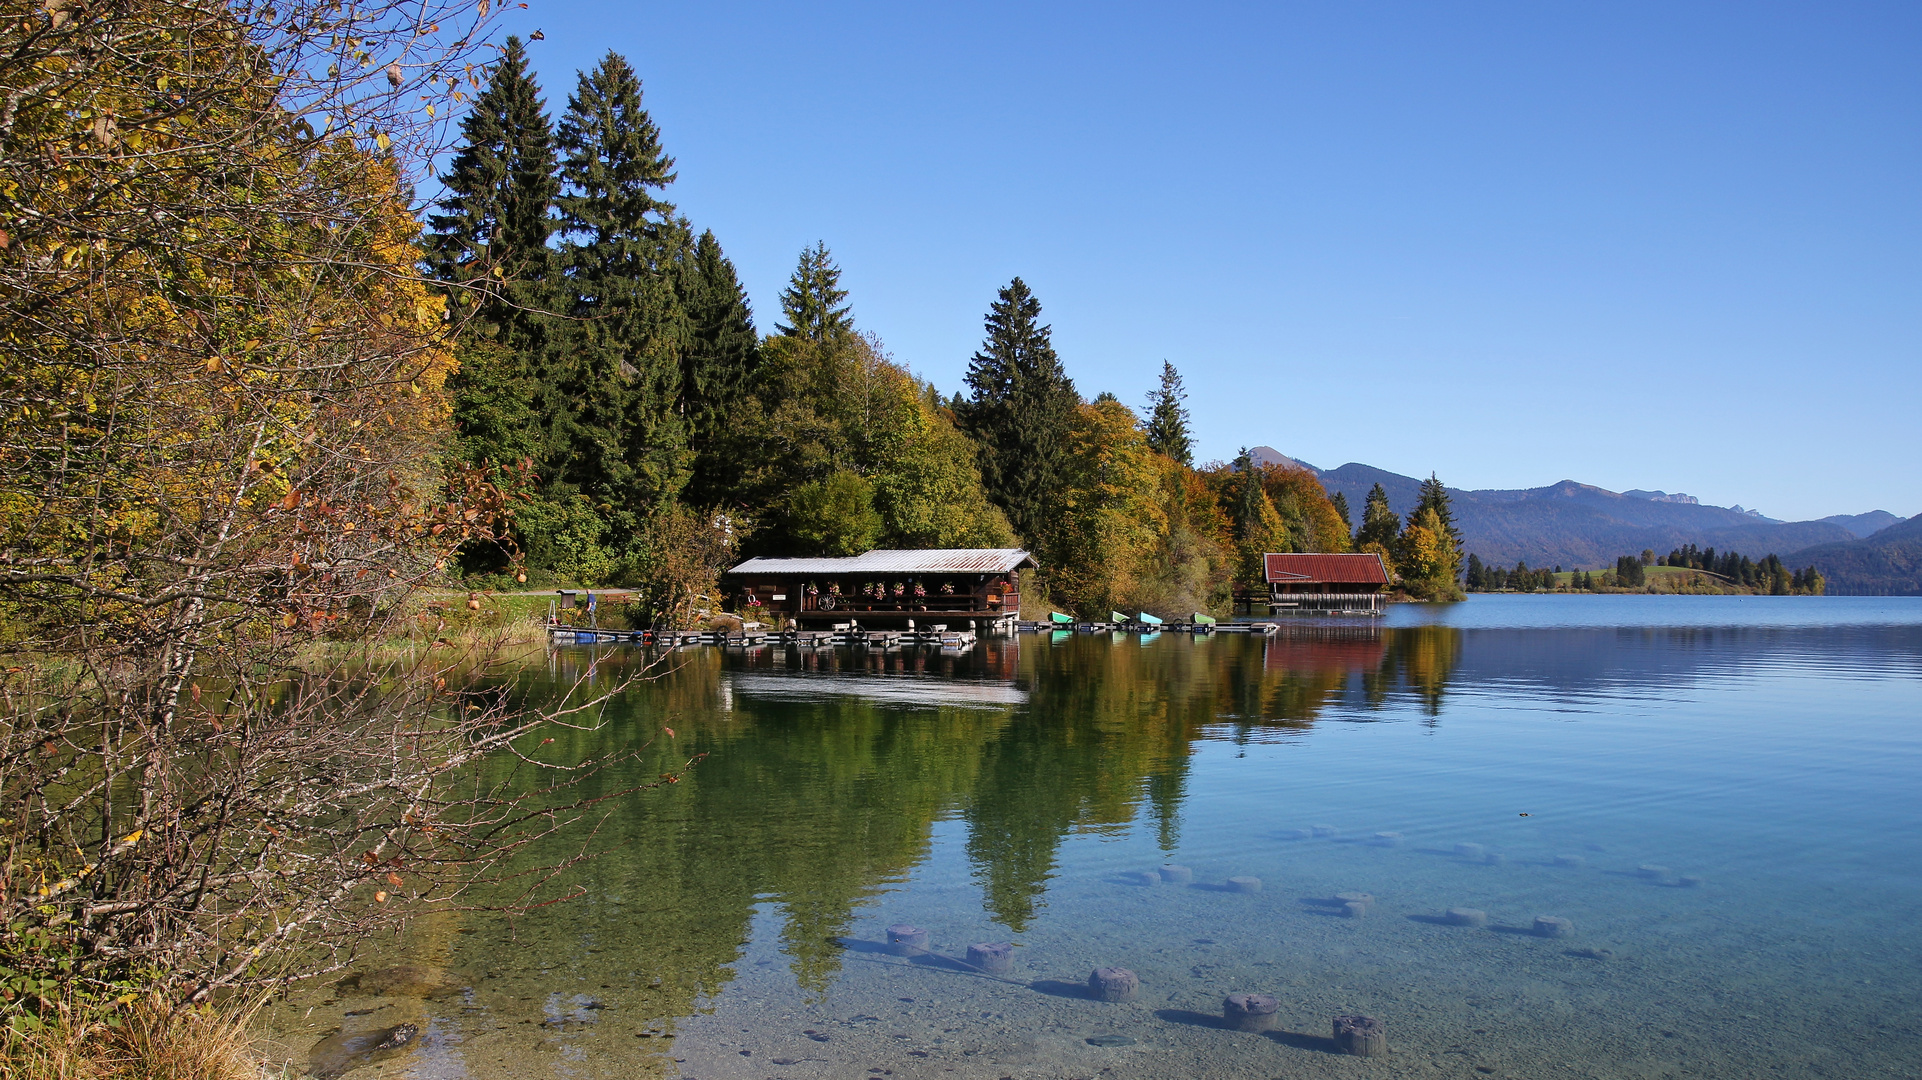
1364,568
936,561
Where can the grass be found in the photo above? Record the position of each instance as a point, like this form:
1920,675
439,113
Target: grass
1666,579
146,1041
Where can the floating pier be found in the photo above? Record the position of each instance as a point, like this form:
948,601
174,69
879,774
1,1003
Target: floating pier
841,635
1132,626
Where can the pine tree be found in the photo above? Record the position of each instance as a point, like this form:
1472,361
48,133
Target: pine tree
491,234
619,360
1340,503
1476,577
1168,417
1434,496
717,370
814,304
488,241
1379,524
1249,497
1020,408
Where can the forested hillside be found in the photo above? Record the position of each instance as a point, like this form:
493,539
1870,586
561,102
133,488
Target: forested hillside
1885,563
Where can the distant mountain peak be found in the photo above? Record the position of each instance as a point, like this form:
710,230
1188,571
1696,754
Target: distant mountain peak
1268,455
1663,496
1864,524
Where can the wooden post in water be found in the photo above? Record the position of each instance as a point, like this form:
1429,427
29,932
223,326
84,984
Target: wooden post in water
1362,1036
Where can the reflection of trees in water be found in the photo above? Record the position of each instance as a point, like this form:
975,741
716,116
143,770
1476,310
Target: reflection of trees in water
815,805
1419,659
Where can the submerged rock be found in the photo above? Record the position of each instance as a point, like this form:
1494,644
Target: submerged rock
342,1053
405,980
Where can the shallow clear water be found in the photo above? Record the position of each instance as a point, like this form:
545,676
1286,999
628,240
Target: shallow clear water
1769,747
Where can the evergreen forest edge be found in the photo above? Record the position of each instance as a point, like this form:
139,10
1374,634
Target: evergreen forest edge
611,380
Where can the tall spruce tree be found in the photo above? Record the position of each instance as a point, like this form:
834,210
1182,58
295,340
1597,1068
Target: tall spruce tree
1021,407
488,241
1379,523
490,236
717,370
814,304
1249,497
1434,496
1340,503
1168,417
619,360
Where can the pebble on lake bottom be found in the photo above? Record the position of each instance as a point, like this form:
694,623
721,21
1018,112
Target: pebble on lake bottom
1113,984
1323,830
1570,861
907,940
1553,926
1249,1012
995,958
1110,1040
1466,916
1178,875
1362,1036
1652,872
1470,851
1244,884
1386,839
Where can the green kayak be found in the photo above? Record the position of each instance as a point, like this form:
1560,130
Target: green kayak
1204,620
1117,617
1057,617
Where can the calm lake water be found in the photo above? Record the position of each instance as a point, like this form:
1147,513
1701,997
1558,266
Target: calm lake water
1722,795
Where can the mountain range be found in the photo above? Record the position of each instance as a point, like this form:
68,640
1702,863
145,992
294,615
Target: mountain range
1580,526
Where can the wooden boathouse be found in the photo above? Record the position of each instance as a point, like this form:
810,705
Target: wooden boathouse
976,586
1327,583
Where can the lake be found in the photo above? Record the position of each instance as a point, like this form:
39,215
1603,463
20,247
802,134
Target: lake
1721,796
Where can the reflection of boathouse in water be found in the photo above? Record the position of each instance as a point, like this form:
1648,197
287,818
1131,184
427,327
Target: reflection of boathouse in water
974,586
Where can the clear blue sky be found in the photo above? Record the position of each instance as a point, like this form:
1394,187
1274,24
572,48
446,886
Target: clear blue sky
1662,245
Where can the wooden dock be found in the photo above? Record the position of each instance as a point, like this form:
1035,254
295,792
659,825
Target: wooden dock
1260,628
843,636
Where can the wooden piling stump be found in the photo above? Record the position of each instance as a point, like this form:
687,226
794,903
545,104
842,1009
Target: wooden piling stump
1466,916
1249,1012
1112,984
1244,884
907,940
1553,926
993,958
1177,875
1362,1036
